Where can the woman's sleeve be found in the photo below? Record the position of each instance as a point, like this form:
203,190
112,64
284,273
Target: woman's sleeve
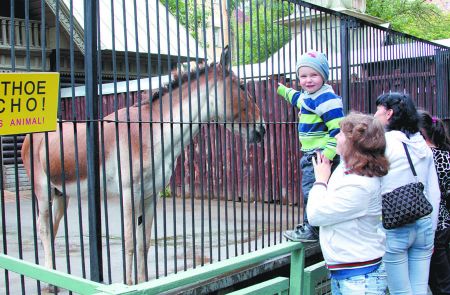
433,193
347,202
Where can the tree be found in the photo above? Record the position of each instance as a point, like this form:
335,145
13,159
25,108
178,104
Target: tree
258,36
188,12
415,17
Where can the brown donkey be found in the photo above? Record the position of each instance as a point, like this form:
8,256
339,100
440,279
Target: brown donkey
201,98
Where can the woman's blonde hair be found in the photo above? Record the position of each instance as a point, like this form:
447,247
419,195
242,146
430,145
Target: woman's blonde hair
365,145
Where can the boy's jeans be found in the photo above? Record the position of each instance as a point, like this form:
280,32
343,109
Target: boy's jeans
308,177
371,283
407,258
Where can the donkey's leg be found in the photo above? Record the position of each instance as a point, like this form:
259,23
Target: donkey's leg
145,218
44,226
58,209
128,235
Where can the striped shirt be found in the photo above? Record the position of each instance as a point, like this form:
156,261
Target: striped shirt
319,117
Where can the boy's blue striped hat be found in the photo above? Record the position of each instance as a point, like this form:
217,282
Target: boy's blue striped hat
316,60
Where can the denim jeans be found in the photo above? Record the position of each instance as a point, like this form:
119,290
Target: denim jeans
408,254
308,177
371,283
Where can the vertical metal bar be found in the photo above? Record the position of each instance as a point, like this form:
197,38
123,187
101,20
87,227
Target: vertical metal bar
286,126
250,178
258,185
211,177
293,123
369,35
75,116
266,106
102,148
200,142
117,136
182,143
130,190
172,156
33,200
344,27
279,200
61,140
140,141
218,131
208,143
233,144
186,31
13,39
92,146
47,156
224,146
439,64
240,181
277,135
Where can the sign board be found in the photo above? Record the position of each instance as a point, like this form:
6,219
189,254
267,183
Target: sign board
28,102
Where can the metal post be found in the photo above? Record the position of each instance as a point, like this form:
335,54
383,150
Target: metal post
92,141
345,81
296,283
439,64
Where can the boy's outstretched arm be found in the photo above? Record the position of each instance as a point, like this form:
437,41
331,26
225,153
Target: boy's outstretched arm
289,94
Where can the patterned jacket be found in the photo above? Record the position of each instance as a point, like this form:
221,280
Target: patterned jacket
442,163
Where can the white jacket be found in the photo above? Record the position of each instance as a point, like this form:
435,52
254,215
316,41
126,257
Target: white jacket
400,173
349,215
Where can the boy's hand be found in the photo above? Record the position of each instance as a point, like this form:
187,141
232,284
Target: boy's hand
282,90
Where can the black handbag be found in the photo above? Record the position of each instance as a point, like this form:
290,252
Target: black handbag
405,204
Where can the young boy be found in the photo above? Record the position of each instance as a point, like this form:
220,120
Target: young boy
320,113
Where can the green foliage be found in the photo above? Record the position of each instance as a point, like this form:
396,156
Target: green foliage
166,193
415,17
260,36
187,12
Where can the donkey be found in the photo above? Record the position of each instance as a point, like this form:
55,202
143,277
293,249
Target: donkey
224,101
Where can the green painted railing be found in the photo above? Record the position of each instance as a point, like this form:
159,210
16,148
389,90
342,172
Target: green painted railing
182,279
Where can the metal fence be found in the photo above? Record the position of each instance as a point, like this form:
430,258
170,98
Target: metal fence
226,196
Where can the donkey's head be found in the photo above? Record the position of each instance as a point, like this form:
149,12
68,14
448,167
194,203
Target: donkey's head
234,104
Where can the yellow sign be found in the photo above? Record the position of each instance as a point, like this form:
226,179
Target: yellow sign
28,102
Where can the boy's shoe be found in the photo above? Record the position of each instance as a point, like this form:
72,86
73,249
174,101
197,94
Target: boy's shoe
302,233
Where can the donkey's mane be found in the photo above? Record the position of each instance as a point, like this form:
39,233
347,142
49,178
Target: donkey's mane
179,80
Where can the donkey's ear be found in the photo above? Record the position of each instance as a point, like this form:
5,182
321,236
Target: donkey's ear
225,58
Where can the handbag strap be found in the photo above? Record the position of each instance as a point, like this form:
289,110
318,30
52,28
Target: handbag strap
409,160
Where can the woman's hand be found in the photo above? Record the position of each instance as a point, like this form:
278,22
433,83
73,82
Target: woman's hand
322,167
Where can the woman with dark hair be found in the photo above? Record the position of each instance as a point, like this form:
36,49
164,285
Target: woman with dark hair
436,137
350,202
409,247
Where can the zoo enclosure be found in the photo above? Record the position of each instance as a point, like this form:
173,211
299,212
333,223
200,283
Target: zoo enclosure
365,60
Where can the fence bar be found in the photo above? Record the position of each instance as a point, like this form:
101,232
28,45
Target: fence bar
345,57
95,246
